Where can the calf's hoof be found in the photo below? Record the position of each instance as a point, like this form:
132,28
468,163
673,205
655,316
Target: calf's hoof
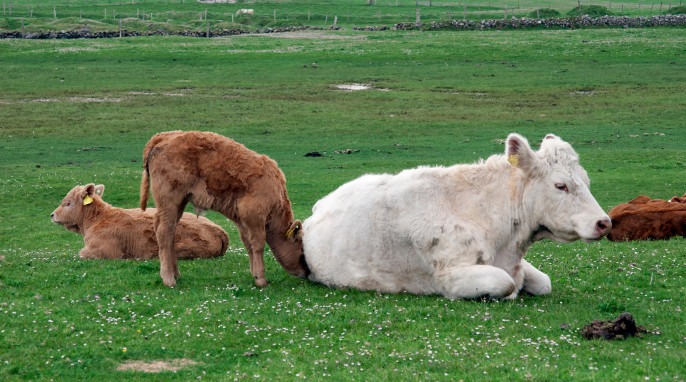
169,281
261,281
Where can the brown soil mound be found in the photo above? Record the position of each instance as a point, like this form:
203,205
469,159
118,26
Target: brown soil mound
621,328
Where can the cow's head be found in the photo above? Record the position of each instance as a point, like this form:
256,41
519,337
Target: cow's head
558,189
70,212
288,249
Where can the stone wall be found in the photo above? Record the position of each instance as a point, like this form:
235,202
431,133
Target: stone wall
565,23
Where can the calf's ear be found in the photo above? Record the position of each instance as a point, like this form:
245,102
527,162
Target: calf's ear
519,153
295,231
100,189
88,192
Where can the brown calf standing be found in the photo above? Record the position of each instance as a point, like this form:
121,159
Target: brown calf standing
115,233
647,219
216,173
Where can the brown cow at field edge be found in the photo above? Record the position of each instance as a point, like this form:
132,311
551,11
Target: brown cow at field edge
116,233
647,219
213,172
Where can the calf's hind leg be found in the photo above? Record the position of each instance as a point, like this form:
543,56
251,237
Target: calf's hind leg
166,221
475,281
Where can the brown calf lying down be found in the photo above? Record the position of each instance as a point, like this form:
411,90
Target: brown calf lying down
645,219
116,233
217,173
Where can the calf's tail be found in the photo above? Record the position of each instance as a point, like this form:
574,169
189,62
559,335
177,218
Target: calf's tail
145,188
145,180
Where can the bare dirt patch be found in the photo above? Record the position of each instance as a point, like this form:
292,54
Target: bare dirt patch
155,366
355,87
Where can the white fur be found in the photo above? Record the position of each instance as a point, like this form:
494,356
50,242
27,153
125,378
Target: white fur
458,231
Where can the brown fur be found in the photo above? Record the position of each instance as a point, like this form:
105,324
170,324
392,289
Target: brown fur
115,233
678,199
216,173
645,219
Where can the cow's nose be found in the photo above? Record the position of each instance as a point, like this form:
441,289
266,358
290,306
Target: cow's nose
603,226
52,215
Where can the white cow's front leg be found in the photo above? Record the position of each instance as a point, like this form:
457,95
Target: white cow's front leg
535,282
475,281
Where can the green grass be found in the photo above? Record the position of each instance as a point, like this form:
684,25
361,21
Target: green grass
175,16
616,95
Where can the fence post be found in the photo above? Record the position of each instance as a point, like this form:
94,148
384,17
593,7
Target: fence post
335,21
119,28
464,12
505,12
22,28
275,15
417,18
208,28
580,13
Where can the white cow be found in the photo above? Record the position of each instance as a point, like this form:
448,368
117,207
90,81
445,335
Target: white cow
458,231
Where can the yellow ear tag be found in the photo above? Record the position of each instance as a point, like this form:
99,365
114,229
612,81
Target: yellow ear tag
289,233
513,159
87,200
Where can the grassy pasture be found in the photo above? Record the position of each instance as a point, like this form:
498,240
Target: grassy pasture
80,111
179,15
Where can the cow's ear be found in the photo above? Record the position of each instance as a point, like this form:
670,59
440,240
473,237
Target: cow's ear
518,152
100,189
88,192
295,231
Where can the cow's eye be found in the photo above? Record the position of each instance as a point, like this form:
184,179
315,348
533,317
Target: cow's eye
561,187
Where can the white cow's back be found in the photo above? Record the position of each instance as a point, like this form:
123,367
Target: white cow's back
372,232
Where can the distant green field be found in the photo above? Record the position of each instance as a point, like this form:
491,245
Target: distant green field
80,111
180,15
